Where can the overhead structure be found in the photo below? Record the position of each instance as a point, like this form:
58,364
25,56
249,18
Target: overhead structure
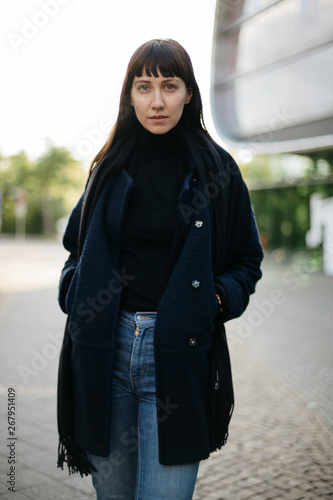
272,74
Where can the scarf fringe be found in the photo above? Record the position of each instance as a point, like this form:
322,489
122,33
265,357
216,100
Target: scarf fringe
220,443
76,458
220,439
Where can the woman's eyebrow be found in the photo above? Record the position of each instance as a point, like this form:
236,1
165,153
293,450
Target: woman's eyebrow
168,79
142,81
171,78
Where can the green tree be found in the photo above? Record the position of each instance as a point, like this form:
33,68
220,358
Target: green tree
280,187
13,173
57,176
52,183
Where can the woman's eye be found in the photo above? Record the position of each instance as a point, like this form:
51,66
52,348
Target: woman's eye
170,86
143,88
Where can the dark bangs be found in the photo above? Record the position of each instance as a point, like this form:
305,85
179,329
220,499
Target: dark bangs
161,56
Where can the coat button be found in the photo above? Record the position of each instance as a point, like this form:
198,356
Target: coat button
195,283
198,223
192,342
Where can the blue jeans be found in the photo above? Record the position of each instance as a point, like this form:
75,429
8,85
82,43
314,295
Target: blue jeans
132,470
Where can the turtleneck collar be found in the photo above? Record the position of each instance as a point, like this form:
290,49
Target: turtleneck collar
159,145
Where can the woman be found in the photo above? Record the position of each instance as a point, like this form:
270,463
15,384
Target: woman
163,243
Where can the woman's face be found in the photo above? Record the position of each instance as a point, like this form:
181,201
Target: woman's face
159,102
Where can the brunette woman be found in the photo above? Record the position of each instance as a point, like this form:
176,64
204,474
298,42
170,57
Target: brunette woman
163,245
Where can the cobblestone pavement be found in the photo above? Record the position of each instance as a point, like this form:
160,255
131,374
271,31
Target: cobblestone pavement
281,436
278,448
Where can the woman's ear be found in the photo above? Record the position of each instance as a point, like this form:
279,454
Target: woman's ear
189,96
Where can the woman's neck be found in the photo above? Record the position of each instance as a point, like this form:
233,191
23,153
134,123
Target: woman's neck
159,145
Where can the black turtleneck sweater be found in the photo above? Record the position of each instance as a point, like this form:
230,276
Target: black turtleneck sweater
150,219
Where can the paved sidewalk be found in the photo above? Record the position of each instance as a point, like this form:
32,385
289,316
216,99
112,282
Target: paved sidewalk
281,435
277,449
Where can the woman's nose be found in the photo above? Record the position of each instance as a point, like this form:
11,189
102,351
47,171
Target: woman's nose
157,102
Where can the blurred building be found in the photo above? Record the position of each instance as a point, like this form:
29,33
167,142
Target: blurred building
272,74
272,92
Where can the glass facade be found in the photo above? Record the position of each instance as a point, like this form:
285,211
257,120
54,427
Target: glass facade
272,72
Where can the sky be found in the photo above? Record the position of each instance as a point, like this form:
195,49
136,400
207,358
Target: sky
63,63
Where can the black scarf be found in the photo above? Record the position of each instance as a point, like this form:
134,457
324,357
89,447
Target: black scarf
226,193
230,214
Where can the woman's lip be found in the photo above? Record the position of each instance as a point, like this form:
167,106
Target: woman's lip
158,119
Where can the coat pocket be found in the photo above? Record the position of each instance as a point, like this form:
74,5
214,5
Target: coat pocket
70,294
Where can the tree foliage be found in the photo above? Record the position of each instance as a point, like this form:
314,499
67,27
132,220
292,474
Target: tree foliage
281,187
51,185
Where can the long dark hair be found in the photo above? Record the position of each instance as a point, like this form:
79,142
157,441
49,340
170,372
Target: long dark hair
169,58
156,56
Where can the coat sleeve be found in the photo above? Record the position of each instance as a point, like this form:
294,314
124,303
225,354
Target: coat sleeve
70,242
238,282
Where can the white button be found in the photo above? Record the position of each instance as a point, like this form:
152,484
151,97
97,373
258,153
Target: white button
192,342
198,223
195,283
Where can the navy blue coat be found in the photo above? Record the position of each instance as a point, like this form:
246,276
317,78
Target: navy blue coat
90,291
